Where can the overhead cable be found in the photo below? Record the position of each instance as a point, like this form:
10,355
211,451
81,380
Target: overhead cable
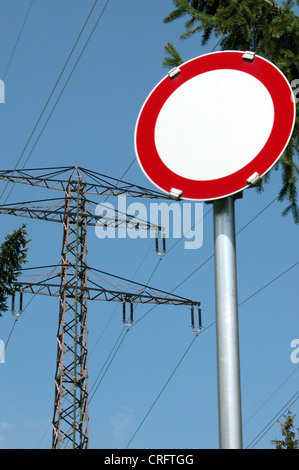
18,39
54,88
273,421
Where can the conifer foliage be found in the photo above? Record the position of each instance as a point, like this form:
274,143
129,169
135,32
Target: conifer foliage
288,431
13,254
269,29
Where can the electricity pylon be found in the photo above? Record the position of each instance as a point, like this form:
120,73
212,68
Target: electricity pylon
71,375
70,419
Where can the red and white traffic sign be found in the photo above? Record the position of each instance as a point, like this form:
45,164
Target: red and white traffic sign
215,125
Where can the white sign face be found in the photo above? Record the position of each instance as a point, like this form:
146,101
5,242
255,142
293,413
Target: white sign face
214,125
210,127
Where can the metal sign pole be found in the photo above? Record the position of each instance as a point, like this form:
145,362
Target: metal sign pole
167,129
228,363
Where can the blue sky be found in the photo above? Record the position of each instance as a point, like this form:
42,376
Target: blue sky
93,126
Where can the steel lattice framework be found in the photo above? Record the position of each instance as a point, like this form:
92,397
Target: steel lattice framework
72,285
70,421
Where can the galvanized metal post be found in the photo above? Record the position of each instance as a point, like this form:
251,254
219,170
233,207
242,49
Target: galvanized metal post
228,362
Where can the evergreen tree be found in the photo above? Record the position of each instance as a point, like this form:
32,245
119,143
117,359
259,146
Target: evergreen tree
262,26
289,434
13,254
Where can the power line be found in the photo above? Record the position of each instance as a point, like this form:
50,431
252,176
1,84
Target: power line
174,245
237,233
158,262
54,88
113,348
120,333
123,338
18,316
271,423
94,384
212,256
18,39
119,345
162,390
52,92
55,266
272,394
269,283
202,264
184,235
257,215
121,178
203,330
7,341
167,251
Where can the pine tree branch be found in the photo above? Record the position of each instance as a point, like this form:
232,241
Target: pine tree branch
174,59
272,31
13,255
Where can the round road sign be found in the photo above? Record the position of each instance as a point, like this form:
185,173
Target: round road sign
215,125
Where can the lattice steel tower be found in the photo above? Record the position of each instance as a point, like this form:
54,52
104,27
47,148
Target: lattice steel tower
70,283
70,421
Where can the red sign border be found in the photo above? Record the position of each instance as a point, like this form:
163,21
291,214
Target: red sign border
284,118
